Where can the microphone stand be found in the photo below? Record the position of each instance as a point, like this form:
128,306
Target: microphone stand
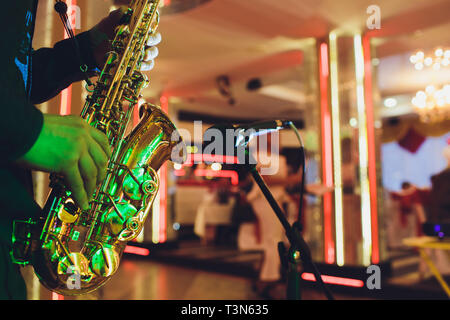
298,246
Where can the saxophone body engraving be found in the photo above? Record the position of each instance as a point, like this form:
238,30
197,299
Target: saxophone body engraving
89,244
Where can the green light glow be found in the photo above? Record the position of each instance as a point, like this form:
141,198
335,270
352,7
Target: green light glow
113,189
127,155
75,236
150,149
131,187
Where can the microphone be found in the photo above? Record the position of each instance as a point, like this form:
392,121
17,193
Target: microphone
271,125
241,134
61,8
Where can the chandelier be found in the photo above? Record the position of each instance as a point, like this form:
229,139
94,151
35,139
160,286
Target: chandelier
439,59
433,103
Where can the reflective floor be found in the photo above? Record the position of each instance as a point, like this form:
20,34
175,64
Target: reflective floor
155,281
198,272
149,280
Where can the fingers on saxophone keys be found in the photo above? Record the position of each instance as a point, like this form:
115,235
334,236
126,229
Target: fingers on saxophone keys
154,39
75,182
89,173
147,65
151,54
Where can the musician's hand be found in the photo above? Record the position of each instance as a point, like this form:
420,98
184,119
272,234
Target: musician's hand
104,32
67,145
151,52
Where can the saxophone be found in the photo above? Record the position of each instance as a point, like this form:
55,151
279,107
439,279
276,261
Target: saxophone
72,251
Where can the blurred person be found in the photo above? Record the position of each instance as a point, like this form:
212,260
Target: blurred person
440,192
65,145
243,216
410,199
269,228
440,210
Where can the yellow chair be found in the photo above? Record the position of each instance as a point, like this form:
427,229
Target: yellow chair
422,243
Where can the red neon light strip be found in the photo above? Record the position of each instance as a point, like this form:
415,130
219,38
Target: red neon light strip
179,173
163,204
137,251
198,158
335,280
136,115
66,101
163,186
372,170
233,175
327,161
56,296
66,94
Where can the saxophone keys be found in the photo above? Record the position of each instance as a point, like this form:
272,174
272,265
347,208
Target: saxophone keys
133,224
118,215
105,261
68,213
132,230
132,183
149,186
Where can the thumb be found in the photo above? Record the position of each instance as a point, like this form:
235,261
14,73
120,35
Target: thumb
109,24
105,31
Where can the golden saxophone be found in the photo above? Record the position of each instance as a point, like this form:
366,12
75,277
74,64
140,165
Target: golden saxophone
69,244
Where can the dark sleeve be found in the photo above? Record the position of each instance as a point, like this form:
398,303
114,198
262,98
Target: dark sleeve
54,69
20,121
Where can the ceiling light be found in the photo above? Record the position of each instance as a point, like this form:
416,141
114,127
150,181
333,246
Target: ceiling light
420,55
216,166
438,59
177,166
283,93
447,54
419,66
390,102
433,104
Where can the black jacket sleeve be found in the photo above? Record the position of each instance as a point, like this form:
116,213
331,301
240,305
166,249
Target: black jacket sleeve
54,69
20,121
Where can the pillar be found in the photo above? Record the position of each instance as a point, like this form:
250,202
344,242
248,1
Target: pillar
350,152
